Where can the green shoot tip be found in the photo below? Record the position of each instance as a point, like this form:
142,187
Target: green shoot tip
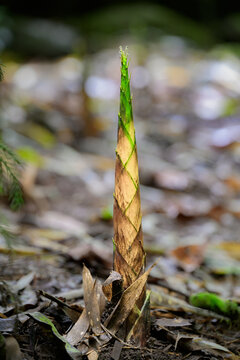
124,54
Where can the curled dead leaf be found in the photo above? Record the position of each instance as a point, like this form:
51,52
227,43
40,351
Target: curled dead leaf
108,284
126,303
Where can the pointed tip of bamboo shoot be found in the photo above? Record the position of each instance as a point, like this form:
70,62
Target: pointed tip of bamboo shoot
123,53
124,62
125,116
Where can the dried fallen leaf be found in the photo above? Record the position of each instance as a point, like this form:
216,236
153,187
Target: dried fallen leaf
90,252
20,250
50,234
126,303
189,256
28,298
9,325
28,179
79,329
233,182
107,286
219,262
89,323
23,282
205,344
232,248
91,301
176,322
195,343
45,244
13,351
61,222
92,355
71,294
100,296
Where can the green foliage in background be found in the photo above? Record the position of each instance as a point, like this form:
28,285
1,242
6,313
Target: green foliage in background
30,156
107,213
9,183
1,73
9,162
5,232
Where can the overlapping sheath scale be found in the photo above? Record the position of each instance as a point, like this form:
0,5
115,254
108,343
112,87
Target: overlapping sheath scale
129,256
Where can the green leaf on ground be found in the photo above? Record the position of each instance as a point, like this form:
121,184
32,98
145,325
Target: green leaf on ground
71,350
215,303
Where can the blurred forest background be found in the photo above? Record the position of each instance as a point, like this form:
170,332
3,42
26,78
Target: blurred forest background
58,110
59,106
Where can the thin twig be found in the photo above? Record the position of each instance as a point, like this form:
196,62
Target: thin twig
117,338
